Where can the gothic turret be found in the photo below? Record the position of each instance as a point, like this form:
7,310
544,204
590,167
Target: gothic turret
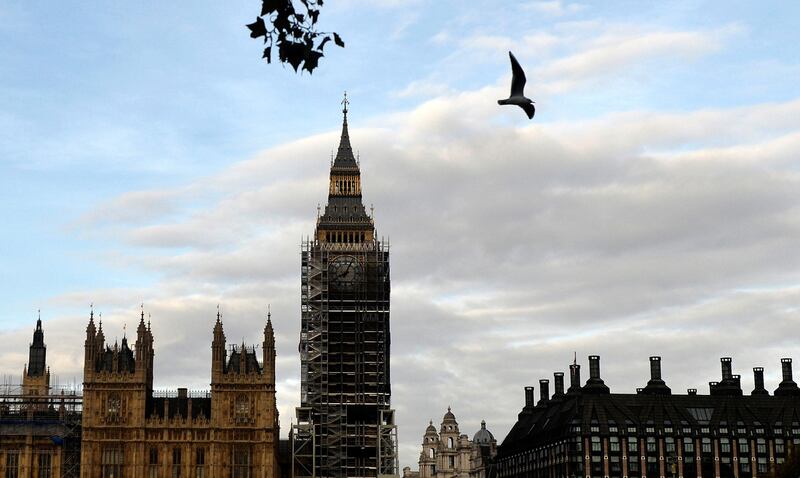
218,352
268,349
36,374
37,352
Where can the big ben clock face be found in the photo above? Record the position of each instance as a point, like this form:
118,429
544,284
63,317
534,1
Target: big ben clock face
344,271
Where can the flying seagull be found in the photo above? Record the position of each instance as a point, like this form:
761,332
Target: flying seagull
517,86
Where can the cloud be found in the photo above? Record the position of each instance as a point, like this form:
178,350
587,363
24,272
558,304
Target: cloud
555,8
628,235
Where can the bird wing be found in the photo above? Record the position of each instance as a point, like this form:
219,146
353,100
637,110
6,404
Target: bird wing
530,110
518,79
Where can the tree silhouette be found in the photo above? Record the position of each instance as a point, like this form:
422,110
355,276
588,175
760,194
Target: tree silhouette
292,32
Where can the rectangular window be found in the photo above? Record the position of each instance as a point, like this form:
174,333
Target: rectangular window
761,446
200,462
176,463
725,445
596,445
241,462
688,445
633,444
651,445
706,443
152,463
779,447
111,462
45,465
12,464
670,445
744,447
613,444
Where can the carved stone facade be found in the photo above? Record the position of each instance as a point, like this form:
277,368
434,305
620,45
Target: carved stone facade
130,431
449,454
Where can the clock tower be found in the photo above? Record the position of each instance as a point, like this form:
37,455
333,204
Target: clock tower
345,424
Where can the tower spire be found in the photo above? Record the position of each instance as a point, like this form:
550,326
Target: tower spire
344,159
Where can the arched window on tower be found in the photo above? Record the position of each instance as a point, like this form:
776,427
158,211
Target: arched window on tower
450,442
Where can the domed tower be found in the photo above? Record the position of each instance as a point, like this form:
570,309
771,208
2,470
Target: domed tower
448,459
484,449
428,456
345,393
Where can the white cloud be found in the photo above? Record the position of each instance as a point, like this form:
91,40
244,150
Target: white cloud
629,235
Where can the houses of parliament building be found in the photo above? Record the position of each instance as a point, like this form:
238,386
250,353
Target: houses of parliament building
125,428
121,427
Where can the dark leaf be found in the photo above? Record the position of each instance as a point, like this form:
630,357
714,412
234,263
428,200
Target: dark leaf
300,17
291,53
268,54
324,41
257,28
319,2
269,6
282,22
314,14
312,60
338,40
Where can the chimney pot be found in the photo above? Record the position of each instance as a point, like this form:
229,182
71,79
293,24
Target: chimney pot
558,380
544,391
692,391
786,368
594,366
528,396
727,370
655,368
758,380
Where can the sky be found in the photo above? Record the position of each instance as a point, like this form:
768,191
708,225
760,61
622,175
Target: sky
651,207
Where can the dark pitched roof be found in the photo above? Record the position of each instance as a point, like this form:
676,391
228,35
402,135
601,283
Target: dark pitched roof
541,425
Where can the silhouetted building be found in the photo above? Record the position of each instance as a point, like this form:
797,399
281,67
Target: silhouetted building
588,431
345,423
450,454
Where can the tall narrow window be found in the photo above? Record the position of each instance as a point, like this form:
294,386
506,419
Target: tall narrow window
45,465
12,464
241,462
200,463
152,466
176,463
111,462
